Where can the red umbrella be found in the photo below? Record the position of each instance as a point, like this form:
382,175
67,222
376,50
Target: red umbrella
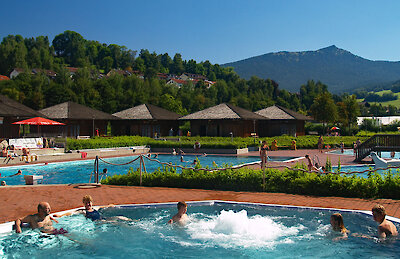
39,121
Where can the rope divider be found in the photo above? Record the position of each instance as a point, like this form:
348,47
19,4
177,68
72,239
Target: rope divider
244,165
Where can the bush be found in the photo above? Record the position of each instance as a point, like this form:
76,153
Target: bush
287,181
284,142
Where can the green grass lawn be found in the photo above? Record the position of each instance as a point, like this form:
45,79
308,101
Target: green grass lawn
394,102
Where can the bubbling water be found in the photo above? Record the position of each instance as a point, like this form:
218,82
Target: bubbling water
237,229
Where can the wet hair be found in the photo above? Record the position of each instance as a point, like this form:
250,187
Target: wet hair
379,209
87,198
41,206
181,204
337,217
306,156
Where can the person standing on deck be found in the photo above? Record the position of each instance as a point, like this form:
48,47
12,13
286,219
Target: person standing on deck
263,154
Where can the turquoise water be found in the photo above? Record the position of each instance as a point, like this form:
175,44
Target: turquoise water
217,231
362,168
350,152
79,171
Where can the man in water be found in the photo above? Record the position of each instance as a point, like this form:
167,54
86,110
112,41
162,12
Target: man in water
180,217
41,220
385,228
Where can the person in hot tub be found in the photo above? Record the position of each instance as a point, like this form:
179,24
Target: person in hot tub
181,217
92,213
41,220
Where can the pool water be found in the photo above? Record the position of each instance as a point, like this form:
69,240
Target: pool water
79,171
350,152
361,168
219,230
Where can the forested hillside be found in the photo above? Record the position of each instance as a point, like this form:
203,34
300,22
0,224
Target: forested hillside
341,70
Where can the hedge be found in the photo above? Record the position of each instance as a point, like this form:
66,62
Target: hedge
284,142
287,181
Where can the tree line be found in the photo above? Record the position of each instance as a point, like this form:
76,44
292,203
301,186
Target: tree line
115,93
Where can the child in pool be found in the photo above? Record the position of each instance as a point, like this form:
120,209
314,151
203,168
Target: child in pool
338,226
180,217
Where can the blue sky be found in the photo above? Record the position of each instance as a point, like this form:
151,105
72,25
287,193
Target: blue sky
217,30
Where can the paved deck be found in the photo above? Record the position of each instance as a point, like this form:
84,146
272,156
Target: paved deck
20,201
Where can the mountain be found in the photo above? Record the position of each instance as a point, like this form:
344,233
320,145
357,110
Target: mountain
339,69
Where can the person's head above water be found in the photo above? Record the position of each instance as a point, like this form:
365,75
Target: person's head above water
337,222
378,212
88,202
182,206
43,209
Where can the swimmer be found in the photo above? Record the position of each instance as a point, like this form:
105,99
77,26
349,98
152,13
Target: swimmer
3,183
392,154
155,156
204,154
173,152
338,226
385,228
194,162
90,212
181,152
18,173
41,220
183,160
180,217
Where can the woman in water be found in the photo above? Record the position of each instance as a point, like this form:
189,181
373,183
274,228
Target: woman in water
263,154
338,226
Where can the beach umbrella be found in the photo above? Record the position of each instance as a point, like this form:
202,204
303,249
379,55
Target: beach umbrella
335,128
39,121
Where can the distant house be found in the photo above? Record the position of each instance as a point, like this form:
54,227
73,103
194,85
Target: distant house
176,82
222,120
209,83
72,70
146,120
281,121
49,73
382,120
12,111
16,72
4,78
189,76
80,120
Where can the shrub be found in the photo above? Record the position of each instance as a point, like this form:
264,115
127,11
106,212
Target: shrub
287,181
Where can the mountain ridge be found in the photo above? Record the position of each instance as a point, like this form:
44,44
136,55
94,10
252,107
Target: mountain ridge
339,69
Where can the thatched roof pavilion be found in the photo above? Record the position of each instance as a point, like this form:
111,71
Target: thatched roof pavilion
81,120
146,120
222,120
12,111
282,121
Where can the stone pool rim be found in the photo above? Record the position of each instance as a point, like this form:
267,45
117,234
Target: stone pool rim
6,228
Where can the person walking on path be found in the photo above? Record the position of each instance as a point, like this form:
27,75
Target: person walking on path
263,154
320,144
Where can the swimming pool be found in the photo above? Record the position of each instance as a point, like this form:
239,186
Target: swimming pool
350,152
360,168
216,230
79,171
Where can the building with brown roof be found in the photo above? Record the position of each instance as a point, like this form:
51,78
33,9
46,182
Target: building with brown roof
80,120
222,120
146,120
281,121
12,111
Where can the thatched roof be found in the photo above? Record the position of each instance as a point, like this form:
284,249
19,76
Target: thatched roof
147,112
12,108
75,111
223,111
277,112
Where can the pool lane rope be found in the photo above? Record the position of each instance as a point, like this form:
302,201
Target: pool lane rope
169,164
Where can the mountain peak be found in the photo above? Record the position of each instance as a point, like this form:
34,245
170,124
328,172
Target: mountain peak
338,68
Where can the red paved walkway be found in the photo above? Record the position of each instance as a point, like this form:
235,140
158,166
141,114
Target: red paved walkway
20,201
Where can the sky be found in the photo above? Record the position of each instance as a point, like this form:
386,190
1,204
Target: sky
220,31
